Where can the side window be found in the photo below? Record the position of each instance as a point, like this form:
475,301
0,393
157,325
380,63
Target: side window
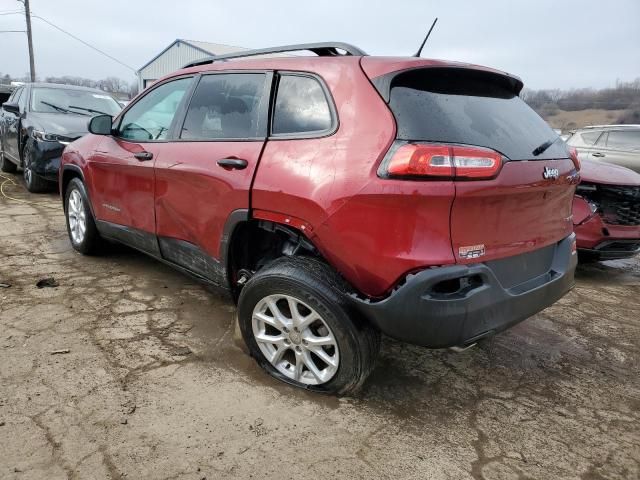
589,138
226,105
301,106
22,101
16,96
624,140
151,116
602,141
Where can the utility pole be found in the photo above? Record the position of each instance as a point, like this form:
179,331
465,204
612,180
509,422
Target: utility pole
32,65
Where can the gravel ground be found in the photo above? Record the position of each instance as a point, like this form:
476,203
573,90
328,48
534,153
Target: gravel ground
128,369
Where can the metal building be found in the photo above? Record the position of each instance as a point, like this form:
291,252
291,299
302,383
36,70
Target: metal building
176,55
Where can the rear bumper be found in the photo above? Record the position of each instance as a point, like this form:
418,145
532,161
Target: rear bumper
421,312
602,241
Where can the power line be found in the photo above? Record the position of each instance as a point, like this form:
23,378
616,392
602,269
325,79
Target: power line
12,31
16,12
83,42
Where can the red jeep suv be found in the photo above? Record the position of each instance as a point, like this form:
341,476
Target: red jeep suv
335,197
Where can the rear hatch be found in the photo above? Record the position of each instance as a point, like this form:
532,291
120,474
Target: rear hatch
514,177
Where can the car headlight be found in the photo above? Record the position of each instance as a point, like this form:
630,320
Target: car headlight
50,137
589,192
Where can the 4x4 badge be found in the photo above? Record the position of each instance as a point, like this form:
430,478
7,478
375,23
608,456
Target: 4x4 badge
471,251
550,173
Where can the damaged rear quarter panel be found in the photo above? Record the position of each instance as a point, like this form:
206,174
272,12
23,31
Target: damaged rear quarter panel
371,230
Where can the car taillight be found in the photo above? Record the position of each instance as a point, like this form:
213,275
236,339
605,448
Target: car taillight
573,153
435,160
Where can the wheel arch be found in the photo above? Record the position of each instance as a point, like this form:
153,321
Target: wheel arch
69,172
250,243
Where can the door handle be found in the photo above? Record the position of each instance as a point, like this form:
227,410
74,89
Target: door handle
233,163
599,155
143,156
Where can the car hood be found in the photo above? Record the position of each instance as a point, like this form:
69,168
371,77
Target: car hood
606,173
67,124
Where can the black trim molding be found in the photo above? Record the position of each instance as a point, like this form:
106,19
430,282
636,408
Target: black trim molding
180,254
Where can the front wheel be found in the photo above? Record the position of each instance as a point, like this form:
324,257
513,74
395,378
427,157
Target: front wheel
81,227
33,182
299,326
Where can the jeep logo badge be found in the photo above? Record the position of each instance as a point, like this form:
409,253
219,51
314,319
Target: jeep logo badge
548,172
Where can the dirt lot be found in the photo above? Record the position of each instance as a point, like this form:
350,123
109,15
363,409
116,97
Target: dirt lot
153,385
565,120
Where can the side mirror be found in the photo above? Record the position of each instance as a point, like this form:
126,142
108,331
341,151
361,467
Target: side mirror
11,107
101,125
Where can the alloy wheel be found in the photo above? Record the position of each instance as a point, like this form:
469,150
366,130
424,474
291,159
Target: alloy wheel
295,339
28,174
77,217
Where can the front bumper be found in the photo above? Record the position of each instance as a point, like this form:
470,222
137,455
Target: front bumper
612,250
602,241
45,159
428,310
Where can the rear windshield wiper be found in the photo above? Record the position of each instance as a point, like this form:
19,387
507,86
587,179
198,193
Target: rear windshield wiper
541,149
89,110
57,107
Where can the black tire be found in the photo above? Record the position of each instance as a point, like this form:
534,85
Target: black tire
91,243
33,182
317,285
7,165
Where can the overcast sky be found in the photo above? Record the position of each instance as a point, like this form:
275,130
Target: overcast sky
548,43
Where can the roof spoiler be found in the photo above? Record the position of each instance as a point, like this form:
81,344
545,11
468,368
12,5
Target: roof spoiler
323,49
384,82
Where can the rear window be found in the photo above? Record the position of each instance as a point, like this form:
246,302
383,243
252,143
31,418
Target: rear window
468,107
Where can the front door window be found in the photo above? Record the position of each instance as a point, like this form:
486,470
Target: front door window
151,117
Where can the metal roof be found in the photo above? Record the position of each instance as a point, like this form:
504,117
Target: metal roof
214,48
207,48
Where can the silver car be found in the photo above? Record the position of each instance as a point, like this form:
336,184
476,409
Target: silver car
618,144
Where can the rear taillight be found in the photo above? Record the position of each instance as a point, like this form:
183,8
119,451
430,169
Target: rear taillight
436,160
573,153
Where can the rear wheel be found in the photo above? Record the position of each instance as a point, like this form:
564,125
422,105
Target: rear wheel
34,183
298,325
81,226
7,165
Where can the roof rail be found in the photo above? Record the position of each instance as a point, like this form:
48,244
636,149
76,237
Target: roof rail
323,49
613,125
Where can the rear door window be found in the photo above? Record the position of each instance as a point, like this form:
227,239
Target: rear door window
469,107
226,106
301,107
602,140
624,140
589,138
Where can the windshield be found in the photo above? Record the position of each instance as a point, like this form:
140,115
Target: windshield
63,100
473,108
